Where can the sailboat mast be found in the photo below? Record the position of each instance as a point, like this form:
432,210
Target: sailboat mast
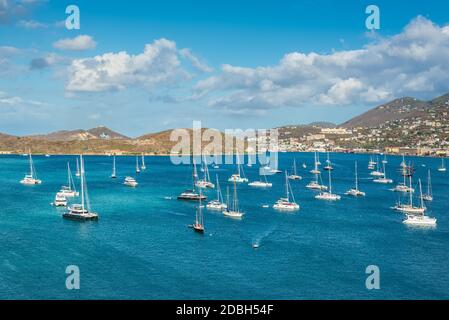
420,194
410,191
356,178
330,182
235,197
286,186
294,166
31,165
82,182
113,166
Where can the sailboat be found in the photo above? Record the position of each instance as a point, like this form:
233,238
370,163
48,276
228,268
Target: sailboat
137,165
191,194
60,200
318,159
233,211
260,183
198,226
237,177
143,167
355,191
442,168
377,173
428,196
218,203
371,163
329,196
402,186
294,176
82,211
114,173
315,168
383,179
77,173
418,217
69,190
328,163
205,182
315,185
284,204
385,161
409,208
31,178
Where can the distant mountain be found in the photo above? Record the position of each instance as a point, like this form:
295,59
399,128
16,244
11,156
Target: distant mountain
399,109
81,135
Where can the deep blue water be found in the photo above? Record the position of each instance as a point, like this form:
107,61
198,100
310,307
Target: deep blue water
141,248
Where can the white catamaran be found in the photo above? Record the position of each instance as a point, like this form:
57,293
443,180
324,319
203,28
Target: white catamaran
238,177
191,194
355,191
315,168
428,196
31,178
329,196
69,191
294,175
284,204
442,168
410,208
383,179
260,183
218,203
82,211
419,218
205,182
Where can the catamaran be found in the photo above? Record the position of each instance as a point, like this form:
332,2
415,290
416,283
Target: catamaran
371,163
205,182
284,204
402,186
294,176
114,173
314,185
218,203
329,196
234,211
191,194
130,182
383,179
260,183
442,168
428,196
410,208
198,226
377,173
237,177
315,168
355,191
143,167
69,191
60,200
82,211
418,217
31,178
137,165
328,163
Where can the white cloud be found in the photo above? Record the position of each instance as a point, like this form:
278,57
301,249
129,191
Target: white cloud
79,43
196,63
31,24
158,64
8,100
413,62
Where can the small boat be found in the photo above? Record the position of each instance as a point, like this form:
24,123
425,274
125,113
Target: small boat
383,179
294,175
60,200
31,178
442,168
47,156
315,168
198,226
428,196
114,173
205,182
238,177
218,203
328,196
260,183
143,167
130,182
284,204
355,191
82,211
328,163
304,166
137,165
255,246
420,220
233,211
402,186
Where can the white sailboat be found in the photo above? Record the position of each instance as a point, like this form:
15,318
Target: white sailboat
402,186
69,191
294,176
355,191
329,196
419,217
114,173
77,173
385,161
233,211
410,208
60,200
315,185
383,179
143,167
31,178
130,182
284,204
205,182
442,168
237,177
218,203
315,168
260,183
428,196
82,211
378,172
328,165
137,165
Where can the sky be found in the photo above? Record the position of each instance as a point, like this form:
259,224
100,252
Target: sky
145,66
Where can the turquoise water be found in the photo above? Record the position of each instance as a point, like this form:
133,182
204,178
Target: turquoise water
142,248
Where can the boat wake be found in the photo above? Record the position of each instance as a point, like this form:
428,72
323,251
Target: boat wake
258,240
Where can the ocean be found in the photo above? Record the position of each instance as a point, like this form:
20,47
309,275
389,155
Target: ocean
142,247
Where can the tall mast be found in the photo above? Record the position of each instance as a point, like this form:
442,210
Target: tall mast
218,188
69,182
286,186
31,165
195,175
356,178
420,193
235,197
410,191
113,166
82,182
330,182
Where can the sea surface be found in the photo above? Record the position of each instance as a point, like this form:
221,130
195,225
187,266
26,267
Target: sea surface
142,247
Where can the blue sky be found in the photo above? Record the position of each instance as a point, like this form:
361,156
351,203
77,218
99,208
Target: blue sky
230,64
